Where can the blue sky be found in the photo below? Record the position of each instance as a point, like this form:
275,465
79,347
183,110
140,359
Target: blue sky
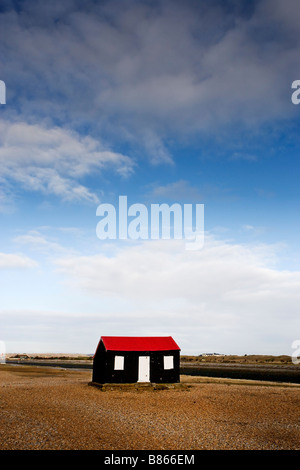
164,102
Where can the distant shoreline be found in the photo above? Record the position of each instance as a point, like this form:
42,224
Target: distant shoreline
189,359
263,371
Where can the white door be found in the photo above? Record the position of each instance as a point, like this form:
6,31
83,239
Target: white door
144,369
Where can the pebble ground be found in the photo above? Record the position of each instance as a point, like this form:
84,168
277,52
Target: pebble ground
47,408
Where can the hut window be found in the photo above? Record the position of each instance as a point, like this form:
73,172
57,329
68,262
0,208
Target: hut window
168,362
119,362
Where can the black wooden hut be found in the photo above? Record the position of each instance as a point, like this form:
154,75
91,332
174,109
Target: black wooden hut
130,359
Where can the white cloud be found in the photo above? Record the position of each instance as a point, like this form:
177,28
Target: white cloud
139,71
232,295
36,241
163,269
226,298
250,229
53,160
12,260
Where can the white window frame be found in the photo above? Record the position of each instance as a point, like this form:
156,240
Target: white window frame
119,363
168,362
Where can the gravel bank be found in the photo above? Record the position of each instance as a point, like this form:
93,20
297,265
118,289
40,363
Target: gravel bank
44,408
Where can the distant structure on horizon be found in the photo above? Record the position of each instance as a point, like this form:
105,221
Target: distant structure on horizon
211,354
131,359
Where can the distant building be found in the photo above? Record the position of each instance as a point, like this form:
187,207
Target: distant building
210,354
130,359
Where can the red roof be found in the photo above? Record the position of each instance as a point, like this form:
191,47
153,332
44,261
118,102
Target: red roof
139,343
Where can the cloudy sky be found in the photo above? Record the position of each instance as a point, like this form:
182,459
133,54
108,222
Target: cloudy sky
164,101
